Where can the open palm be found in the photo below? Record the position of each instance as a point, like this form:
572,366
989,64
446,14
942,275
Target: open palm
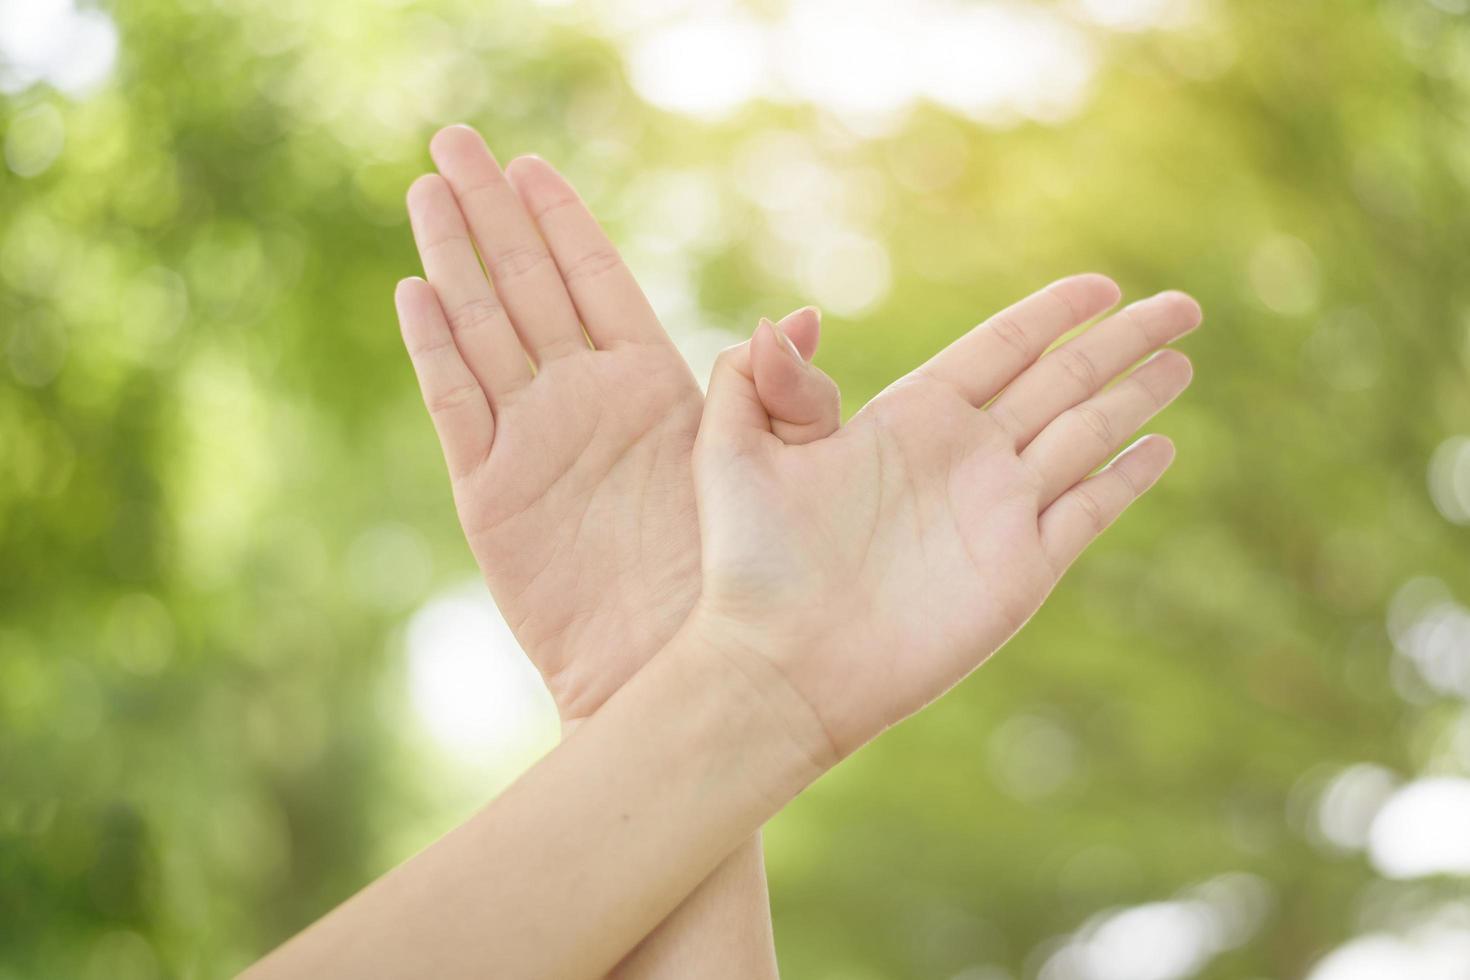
565,413
887,560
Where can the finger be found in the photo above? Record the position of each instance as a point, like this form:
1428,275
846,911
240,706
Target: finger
606,296
733,413
482,332
804,328
1082,513
802,401
986,359
455,399
1082,438
525,277
1080,367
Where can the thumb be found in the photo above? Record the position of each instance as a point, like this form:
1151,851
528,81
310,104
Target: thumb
802,402
733,413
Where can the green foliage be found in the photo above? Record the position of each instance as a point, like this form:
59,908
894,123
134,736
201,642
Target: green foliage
214,448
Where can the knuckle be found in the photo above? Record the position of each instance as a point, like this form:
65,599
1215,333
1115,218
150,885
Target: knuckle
1155,398
475,194
1061,297
1144,324
518,262
1096,422
1126,478
452,397
1011,334
554,207
592,264
475,314
445,242
431,348
1091,508
1080,367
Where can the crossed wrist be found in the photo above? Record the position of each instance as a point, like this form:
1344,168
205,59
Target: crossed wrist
745,666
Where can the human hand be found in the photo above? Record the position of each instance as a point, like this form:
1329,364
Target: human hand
565,414
866,570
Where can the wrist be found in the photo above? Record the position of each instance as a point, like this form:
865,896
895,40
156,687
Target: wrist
746,668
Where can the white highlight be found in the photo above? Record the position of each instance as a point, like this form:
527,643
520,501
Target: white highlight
472,688
867,60
1432,631
1136,15
1346,809
1436,950
1423,829
56,42
707,66
1164,940
1449,479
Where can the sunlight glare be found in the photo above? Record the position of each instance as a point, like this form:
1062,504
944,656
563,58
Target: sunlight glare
474,691
867,61
1434,950
1347,806
1449,479
1423,829
702,66
1167,940
54,41
1134,15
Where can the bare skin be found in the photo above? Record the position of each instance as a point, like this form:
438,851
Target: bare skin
847,580
567,418
983,452
566,415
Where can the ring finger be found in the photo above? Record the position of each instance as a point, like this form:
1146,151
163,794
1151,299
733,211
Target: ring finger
1084,437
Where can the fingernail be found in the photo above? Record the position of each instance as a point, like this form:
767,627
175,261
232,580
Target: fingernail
785,341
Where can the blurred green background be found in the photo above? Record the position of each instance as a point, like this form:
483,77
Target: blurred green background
245,664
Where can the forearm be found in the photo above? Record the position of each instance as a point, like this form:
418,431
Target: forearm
579,860
721,930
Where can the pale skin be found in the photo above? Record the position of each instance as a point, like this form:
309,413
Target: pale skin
847,576
970,476
567,418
